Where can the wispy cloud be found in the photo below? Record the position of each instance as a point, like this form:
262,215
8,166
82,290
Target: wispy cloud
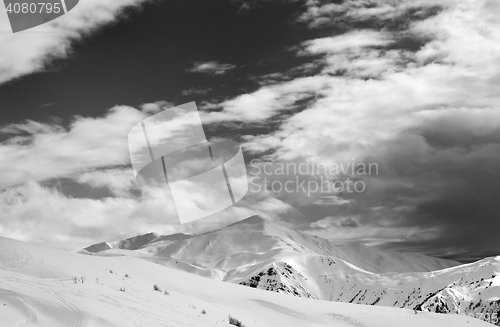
29,51
387,13
248,5
196,90
211,68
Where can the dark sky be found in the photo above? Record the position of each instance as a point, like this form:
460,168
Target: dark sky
144,57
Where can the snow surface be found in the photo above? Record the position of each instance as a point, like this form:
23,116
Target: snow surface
40,286
264,255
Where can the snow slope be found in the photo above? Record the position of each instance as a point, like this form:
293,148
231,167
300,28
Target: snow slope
472,289
45,287
476,293
264,255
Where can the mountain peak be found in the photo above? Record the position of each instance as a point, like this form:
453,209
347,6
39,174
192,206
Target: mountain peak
256,219
131,243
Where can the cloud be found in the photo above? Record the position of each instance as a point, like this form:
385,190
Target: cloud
248,5
267,101
39,214
348,41
333,200
385,14
211,68
38,204
375,93
42,151
45,214
447,171
417,92
196,90
31,50
119,181
154,107
346,222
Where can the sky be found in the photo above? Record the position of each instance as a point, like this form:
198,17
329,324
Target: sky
408,88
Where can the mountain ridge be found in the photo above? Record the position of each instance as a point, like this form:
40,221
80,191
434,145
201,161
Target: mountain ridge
46,287
263,254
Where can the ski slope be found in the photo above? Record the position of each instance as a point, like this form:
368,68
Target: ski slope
40,286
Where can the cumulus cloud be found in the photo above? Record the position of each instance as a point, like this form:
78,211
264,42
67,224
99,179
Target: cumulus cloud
39,213
29,51
41,151
118,181
210,68
154,107
93,153
34,213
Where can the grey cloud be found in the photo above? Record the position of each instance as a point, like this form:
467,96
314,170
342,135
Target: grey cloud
455,186
210,67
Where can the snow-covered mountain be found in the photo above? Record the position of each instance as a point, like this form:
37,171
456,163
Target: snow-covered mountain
265,255
49,288
255,241
476,293
132,243
472,289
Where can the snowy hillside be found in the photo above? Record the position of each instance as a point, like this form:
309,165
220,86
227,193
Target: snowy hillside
264,255
333,279
476,294
44,287
472,289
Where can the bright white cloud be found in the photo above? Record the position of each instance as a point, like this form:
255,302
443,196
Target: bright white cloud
348,41
118,181
28,51
34,213
319,14
42,214
267,101
45,151
154,107
378,93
